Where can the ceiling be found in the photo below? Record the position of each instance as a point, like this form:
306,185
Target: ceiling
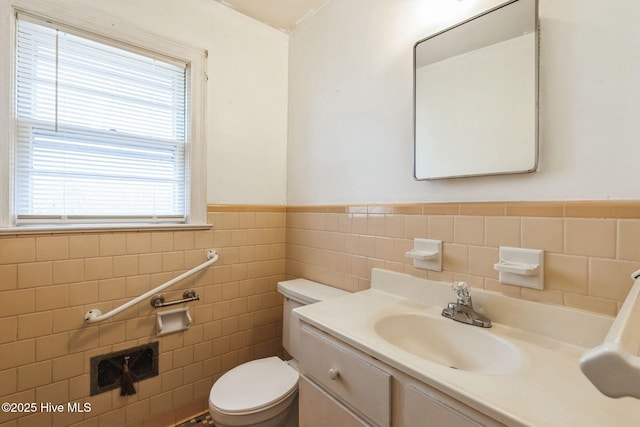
283,15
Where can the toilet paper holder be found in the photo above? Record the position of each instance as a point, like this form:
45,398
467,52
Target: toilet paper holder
171,321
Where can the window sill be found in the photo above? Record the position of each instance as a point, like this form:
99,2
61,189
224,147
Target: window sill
98,228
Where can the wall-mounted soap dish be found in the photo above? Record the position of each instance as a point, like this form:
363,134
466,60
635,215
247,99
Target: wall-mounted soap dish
426,254
521,267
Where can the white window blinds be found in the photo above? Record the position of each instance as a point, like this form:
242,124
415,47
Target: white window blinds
101,131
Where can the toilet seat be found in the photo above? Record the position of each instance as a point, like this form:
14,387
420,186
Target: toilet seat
257,389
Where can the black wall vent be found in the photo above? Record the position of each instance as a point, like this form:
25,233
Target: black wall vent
107,370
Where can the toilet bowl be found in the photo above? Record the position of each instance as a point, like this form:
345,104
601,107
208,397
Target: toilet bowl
264,392
256,393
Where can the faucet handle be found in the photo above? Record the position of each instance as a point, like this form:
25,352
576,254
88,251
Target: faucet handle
462,292
458,284
459,287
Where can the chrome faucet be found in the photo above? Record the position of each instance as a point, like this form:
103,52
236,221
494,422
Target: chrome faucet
462,310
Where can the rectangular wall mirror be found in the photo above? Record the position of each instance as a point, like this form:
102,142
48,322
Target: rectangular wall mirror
476,95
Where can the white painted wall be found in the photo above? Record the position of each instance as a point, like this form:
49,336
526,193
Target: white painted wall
350,104
247,91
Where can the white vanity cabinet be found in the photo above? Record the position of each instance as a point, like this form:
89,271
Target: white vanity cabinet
342,386
349,375
318,409
425,406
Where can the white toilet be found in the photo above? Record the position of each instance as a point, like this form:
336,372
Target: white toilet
264,392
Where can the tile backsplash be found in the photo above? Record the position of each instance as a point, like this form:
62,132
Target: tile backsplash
49,281
591,248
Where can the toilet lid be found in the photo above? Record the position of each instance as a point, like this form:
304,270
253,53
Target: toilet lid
254,385
308,292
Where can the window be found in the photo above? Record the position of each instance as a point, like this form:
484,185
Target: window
103,130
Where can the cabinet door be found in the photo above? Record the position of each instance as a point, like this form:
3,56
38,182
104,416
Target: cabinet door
318,409
427,409
353,378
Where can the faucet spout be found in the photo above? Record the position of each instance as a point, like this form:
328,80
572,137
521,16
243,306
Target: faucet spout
462,310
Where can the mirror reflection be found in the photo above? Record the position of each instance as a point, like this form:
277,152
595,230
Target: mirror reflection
476,95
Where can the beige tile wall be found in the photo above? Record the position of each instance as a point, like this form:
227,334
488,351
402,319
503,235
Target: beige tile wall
591,248
48,282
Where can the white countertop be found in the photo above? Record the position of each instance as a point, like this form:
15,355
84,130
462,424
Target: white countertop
548,389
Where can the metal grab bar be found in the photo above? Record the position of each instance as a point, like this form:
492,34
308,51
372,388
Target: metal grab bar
95,315
187,296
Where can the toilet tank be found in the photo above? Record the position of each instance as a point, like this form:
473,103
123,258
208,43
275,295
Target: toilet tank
299,292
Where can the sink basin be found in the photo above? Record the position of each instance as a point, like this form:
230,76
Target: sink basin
450,343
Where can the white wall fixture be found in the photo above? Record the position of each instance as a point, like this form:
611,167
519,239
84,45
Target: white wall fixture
426,254
171,321
614,366
521,267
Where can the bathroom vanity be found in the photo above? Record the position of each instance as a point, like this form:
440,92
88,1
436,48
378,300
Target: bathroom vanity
387,357
369,392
